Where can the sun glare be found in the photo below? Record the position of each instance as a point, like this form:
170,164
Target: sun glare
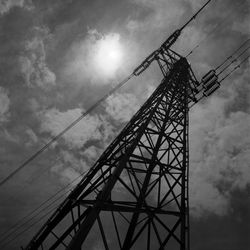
109,54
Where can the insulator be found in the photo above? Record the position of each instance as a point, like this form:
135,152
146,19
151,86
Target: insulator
208,76
210,82
211,90
144,65
171,40
139,70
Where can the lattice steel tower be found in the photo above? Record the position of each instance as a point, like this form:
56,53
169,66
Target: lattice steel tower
136,194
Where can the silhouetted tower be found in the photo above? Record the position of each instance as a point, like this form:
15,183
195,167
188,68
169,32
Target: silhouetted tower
136,194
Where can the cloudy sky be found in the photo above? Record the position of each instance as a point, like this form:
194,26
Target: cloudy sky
53,67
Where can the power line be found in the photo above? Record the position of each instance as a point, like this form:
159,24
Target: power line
235,68
219,25
17,227
231,56
233,61
227,75
12,235
33,213
55,138
34,223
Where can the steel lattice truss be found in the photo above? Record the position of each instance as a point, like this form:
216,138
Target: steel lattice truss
136,194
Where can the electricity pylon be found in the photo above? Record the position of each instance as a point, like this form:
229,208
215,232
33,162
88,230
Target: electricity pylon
136,194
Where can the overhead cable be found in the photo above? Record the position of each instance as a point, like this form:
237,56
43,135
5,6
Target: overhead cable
235,68
30,226
231,56
34,213
217,26
233,61
55,138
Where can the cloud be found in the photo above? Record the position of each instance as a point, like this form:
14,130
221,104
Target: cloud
158,18
86,63
69,167
243,26
108,131
213,203
190,37
196,4
69,175
72,161
54,121
220,149
161,12
4,105
121,107
91,153
6,5
10,137
32,137
33,63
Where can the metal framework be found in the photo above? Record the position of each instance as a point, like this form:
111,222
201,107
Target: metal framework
136,194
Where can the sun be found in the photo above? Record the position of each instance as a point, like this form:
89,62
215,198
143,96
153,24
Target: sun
108,57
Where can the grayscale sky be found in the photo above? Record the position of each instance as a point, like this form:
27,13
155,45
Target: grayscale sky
51,71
